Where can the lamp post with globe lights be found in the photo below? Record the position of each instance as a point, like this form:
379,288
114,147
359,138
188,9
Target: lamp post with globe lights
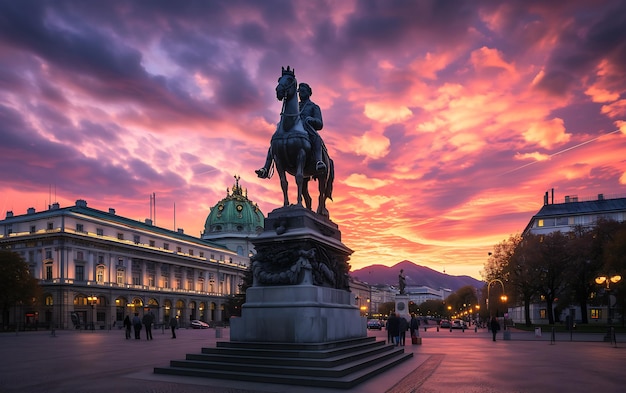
601,280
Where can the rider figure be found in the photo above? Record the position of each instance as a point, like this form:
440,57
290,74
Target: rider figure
311,116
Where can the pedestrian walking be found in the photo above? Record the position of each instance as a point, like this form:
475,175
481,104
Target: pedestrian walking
393,327
403,326
147,323
494,325
137,325
127,326
173,326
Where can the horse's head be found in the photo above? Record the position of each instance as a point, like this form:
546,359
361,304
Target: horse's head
287,84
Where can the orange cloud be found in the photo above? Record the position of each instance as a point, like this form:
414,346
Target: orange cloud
547,134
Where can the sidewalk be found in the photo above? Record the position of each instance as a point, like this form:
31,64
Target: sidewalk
103,361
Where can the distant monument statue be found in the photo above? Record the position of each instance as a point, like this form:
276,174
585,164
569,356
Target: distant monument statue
296,147
401,282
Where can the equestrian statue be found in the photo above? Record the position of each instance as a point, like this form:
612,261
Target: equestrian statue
296,147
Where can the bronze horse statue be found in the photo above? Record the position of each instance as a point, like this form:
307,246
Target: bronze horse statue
292,151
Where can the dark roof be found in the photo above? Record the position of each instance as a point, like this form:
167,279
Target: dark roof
599,206
580,208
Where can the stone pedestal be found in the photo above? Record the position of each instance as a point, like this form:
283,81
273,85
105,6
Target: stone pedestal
297,314
300,292
402,306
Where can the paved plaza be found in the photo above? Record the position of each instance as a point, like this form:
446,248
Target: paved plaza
448,361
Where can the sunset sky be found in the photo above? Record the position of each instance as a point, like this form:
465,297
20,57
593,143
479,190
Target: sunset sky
447,120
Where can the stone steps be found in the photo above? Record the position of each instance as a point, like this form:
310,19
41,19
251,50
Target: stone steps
341,364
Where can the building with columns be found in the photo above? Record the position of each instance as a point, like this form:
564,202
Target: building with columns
96,267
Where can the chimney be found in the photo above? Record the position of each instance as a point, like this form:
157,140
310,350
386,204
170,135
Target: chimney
111,210
9,213
31,210
81,203
600,197
148,221
566,198
545,198
54,206
180,230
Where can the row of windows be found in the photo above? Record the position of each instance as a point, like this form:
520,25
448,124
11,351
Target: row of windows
121,236
589,219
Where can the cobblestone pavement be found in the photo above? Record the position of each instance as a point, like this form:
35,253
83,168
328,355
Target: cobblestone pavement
447,361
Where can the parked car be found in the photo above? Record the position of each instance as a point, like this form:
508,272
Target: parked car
374,324
444,323
196,324
458,324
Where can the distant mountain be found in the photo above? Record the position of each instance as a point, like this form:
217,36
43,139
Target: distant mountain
416,275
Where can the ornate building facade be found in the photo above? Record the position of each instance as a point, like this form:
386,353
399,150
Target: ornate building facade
96,267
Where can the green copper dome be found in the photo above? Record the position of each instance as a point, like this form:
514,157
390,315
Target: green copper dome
235,214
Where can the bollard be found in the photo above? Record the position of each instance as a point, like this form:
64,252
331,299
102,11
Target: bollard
475,329
218,332
437,328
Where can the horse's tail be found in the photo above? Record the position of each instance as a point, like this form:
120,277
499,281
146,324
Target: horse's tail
331,178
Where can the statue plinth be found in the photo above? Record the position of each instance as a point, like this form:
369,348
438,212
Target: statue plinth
300,292
402,306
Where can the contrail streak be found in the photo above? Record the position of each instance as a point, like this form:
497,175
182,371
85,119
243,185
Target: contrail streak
560,152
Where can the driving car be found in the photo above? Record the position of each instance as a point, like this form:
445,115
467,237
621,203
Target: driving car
458,324
444,323
374,324
196,324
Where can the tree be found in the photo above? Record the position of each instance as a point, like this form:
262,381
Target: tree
584,265
386,308
497,267
522,272
613,257
17,286
432,308
553,260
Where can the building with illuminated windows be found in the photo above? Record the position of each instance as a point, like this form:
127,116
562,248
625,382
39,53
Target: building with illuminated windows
563,217
96,267
572,211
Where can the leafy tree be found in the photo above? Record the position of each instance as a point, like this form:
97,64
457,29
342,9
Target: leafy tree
522,271
17,286
613,257
386,308
433,308
584,265
497,267
553,261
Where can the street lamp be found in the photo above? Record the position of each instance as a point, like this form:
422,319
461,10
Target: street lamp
608,280
92,302
503,298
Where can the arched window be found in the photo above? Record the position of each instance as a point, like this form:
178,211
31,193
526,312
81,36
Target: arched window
100,274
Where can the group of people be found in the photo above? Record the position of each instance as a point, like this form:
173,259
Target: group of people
397,326
147,321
